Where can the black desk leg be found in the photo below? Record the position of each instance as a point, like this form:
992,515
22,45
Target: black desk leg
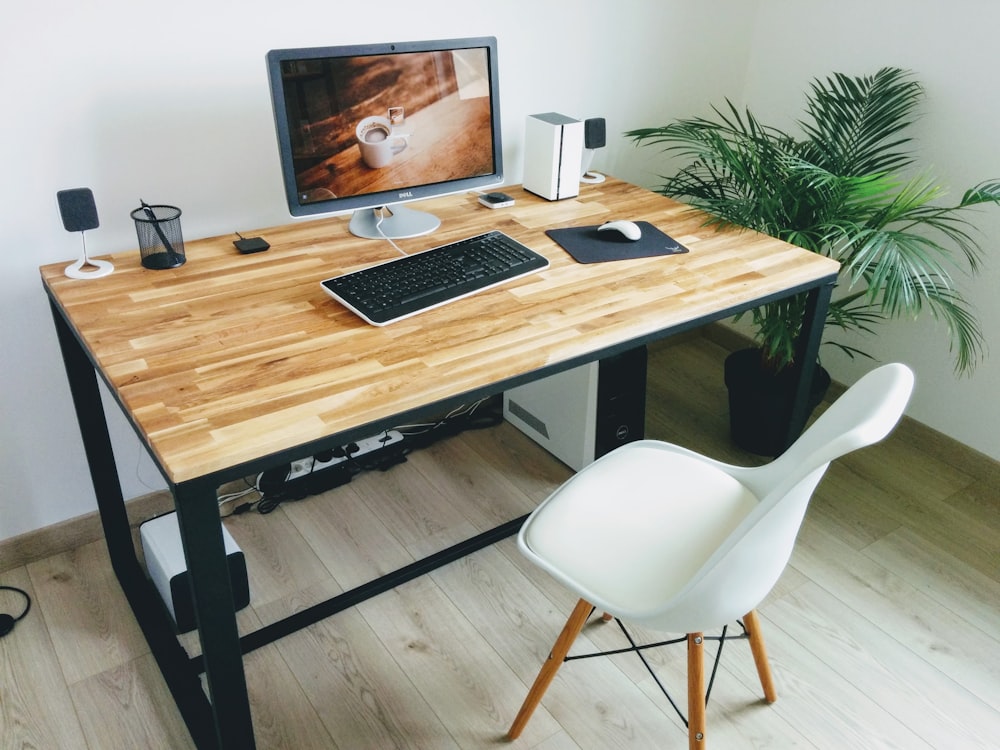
215,612
151,615
97,445
807,351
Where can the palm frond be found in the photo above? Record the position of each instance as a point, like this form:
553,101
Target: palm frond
984,192
856,123
836,189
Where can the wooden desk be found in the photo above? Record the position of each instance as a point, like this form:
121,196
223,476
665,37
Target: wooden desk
232,364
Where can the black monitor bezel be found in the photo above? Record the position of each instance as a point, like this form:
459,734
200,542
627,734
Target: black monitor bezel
276,57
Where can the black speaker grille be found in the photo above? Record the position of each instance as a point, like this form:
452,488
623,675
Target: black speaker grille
594,133
76,206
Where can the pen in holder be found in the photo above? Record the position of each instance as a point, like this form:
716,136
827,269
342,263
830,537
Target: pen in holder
161,244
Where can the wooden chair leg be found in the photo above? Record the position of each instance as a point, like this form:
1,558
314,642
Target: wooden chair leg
752,623
551,665
696,691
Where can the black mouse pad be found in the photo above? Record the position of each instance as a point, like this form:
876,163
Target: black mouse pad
587,245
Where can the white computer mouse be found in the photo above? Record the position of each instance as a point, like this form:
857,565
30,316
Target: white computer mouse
627,229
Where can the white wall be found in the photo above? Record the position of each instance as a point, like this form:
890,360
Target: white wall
169,103
950,48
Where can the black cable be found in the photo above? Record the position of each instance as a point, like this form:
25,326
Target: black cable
268,504
7,622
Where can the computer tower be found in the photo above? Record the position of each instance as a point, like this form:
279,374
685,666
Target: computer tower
583,413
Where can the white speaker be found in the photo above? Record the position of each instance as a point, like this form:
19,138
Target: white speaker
553,154
164,554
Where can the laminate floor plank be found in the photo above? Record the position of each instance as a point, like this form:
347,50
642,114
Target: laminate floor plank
282,559
846,504
559,741
486,498
352,543
737,714
84,610
946,579
283,716
965,525
687,403
129,706
509,453
36,709
468,687
930,630
362,696
828,709
862,653
419,515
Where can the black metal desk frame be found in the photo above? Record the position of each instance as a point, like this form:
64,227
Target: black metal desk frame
224,721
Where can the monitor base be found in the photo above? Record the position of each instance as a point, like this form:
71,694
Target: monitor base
392,222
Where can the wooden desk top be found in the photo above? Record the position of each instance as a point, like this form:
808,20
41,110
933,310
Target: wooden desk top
231,358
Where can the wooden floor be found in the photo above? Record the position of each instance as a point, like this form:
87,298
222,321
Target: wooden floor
883,631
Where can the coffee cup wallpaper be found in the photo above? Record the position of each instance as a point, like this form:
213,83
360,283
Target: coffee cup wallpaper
380,141
371,123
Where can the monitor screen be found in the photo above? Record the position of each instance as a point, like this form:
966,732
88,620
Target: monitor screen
366,127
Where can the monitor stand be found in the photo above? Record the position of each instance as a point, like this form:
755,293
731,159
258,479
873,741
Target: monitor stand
392,222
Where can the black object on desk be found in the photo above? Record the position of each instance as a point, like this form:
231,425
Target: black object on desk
587,245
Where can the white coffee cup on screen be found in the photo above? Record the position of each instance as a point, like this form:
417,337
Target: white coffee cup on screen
377,141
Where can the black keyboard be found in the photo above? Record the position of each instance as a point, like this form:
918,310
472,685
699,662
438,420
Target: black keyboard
408,285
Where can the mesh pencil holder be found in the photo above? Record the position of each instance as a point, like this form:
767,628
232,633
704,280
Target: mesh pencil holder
161,243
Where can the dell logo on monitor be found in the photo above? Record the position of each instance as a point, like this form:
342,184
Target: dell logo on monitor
406,194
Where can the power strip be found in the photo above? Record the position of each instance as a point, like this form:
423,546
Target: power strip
352,451
329,469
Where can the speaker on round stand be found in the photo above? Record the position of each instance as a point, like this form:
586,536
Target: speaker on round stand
594,137
76,206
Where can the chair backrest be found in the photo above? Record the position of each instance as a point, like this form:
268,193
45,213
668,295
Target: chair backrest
737,577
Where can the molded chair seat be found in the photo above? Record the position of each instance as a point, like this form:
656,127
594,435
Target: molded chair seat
659,536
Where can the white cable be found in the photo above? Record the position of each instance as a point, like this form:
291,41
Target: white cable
378,228
419,427
588,176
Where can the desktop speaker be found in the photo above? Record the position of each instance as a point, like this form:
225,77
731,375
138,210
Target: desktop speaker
79,213
583,413
553,153
164,554
595,136
77,209
595,133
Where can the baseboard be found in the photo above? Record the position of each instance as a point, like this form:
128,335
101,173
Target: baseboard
74,532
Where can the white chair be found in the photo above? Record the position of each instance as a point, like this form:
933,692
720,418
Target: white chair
659,536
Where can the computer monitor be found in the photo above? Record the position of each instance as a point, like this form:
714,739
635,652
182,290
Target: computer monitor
369,128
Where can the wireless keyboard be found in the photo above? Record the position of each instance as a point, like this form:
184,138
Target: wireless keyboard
405,286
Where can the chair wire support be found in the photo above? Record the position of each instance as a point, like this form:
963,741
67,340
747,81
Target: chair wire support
638,648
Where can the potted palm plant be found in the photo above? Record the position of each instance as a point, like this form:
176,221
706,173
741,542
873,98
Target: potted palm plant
845,186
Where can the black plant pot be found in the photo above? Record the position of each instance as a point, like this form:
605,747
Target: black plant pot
760,402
